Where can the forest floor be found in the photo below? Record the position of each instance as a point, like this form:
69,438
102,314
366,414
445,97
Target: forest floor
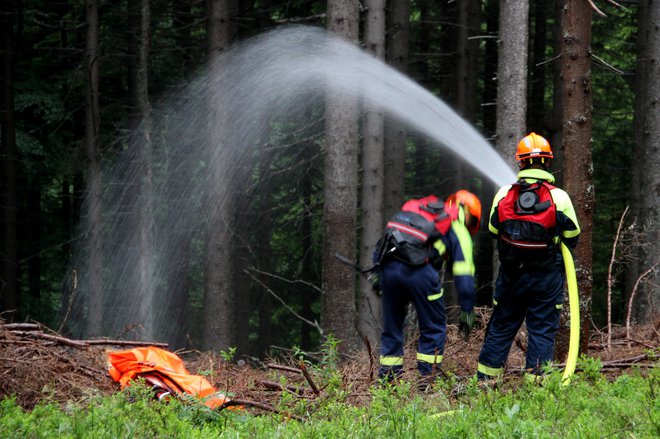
38,365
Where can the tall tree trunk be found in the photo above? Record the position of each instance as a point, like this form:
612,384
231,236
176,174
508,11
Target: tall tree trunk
94,187
553,121
512,77
578,167
397,40
338,310
139,34
484,242
34,224
8,160
646,170
369,305
219,300
467,67
536,108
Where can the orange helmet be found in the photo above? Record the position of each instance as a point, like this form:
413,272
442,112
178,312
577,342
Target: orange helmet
532,146
469,202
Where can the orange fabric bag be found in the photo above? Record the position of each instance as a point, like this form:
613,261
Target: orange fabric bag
158,367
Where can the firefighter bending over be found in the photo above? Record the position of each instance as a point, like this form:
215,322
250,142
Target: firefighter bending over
416,241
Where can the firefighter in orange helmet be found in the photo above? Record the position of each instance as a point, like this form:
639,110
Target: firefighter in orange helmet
416,241
528,218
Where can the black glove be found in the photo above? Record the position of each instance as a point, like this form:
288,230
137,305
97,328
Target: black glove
374,278
466,323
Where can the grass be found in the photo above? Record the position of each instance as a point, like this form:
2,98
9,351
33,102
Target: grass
590,407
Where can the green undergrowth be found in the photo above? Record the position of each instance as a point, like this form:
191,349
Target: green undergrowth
590,407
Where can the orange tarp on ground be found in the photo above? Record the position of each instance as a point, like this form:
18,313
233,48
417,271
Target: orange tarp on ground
163,365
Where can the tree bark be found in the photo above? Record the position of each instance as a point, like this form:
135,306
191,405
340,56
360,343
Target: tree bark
484,242
8,161
537,66
93,184
369,305
338,309
139,34
467,67
646,167
219,300
578,167
397,40
553,121
512,77
512,58
34,264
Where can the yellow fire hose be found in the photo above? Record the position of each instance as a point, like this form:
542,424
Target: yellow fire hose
574,304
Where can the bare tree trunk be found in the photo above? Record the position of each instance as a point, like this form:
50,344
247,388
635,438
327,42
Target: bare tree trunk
467,67
537,66
8,160
397,40
578,167
34,224
139,17
483,242
512,77
646,168
553,121
338,310
218,331
94,187
369,305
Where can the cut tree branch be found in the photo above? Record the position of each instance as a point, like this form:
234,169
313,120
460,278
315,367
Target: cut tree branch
21,326
259,405
277,386
286,368
305,372
81,344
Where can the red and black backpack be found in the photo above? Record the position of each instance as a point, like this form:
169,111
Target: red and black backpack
410,233
527,222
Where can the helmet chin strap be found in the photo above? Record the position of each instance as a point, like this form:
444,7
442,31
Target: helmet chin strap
528,163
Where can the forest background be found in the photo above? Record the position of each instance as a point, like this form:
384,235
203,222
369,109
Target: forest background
85,82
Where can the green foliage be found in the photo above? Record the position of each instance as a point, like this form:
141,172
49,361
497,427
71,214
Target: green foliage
627,407
229,354
590,368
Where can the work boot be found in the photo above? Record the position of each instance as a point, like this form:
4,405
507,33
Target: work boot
487,381
425,383
390,375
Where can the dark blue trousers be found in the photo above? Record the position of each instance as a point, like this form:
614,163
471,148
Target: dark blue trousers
402,284
534,297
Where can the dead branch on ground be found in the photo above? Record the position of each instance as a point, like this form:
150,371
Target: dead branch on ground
259,405
285,368
308,377
33,330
